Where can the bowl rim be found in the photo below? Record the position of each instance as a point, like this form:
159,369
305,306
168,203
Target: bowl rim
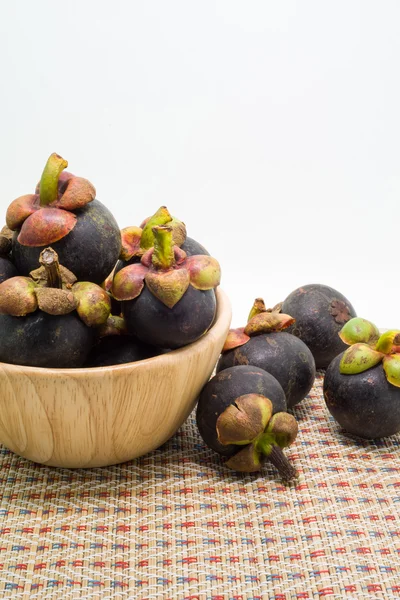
223,313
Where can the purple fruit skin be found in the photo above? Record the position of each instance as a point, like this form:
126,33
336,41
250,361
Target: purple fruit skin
42,340
192,248
310,306
283,355
154,323
366,404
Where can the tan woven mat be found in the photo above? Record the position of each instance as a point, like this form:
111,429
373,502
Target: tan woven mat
176,524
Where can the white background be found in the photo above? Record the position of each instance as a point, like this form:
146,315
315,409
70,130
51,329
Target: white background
271,128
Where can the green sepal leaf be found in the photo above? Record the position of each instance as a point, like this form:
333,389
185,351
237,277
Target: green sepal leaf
359,358
244,420
168,286
204,272
391,366
94,303
359,331
389,341
284,427
268,322
17,296
247,460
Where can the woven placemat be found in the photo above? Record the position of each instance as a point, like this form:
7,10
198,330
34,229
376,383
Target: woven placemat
176,524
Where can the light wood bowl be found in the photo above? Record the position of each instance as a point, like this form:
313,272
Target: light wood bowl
106,415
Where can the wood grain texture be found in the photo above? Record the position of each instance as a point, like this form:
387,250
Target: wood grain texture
106,415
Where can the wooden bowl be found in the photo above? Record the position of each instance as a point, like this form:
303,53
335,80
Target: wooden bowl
105,415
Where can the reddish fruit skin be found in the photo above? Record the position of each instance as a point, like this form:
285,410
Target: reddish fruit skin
156,324
365,404
90,250
310,305
283,355
223,389
42,340
7,269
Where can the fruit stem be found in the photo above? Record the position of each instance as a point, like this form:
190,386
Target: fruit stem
257,308
275,455
49,260
163,255
48,189
161,217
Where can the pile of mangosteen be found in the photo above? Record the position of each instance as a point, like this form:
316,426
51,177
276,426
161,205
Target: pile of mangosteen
76,291
268,367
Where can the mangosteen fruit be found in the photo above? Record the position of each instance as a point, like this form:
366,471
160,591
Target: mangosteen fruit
264,344
43,340
63,212
362,384
241,415
168,299
49,319
116,347
319,312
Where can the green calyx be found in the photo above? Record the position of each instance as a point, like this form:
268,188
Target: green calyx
165,279
93,303
359,331
130,243
53,289
168,286
284,428
248,422
268,322
164,267
170,271
359,358
17,296
115,325
204,272
391,366
260,321
48,189
389,342
162,217
244,420
368,348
